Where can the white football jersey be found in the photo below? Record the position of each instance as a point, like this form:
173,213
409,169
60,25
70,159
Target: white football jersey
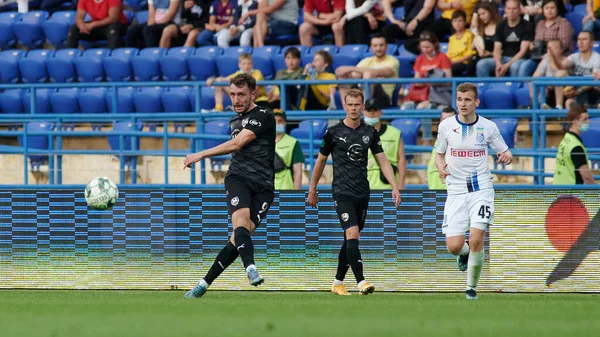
466,149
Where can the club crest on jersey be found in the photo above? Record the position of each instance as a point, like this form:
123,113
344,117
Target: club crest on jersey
244,122
235,201
366,139
480,136
345,217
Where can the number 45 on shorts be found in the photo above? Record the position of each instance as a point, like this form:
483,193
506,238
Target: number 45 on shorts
485,212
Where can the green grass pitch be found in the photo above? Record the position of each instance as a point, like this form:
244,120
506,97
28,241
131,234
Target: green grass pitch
287,314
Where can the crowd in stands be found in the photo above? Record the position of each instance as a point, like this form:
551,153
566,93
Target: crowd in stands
449,38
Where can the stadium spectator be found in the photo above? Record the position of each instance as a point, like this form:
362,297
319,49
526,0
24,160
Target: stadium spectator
590,21
328,12
52,6
391,142
433,64
532,10
511,45
554,95
318,96
221,18
442,27
293,71
359,23
484,3
487,19
380,65
433,179
571,159
419,15
275,18
461,50
243,23
193,18
585,62
108,23
246,67
161,13
551,27
289,158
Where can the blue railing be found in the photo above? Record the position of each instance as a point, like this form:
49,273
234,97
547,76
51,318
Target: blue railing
538,151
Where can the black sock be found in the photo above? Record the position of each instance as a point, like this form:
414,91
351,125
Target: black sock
343,266
355,259
225,257
244,244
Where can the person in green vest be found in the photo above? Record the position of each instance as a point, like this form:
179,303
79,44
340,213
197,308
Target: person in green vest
392,145
433,178
571,160
288,156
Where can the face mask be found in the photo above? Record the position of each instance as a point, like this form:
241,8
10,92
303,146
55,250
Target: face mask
584,127
371,120
280,128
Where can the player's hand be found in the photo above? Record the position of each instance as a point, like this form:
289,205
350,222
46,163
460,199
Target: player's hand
442,172
505,157
396,197
313,198
190,159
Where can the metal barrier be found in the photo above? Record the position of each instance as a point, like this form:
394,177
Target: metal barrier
538,117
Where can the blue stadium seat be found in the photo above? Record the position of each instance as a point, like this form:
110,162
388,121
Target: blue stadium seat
89,65
207,98
136,5
145,64
11,101
522,97
42,101
575,19
61,67
399,13
29,29
130,15
511,87
37,142
9,65
580,9
174,65
216,127
591,139
508,129
227,64
407,61
117,65
303,132
349,55
57,27
443,47
7,37
147,100
124,100
262,58
141,17
93,100
202,63
279,60
176,99
33,65
410,129
114,141
596,47
237,51
64,101
499,99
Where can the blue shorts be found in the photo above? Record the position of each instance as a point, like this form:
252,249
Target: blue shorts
282,27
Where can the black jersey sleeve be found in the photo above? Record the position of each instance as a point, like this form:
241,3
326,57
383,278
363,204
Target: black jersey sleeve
326,144
376,143
260,121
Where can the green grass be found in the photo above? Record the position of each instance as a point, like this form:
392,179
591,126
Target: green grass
244,314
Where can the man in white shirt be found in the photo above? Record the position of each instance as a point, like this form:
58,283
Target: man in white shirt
462,160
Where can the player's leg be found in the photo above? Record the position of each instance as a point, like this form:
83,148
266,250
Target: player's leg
455,225
481,214
364,287
338,283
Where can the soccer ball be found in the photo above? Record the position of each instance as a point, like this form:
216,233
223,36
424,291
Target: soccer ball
101,193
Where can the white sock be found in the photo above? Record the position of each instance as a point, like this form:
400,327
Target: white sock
203,283
337,282
360,284
250,267
474,268
464,250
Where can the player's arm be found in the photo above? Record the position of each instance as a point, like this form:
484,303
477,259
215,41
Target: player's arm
401,165
320,163
242,139
499,145
440,163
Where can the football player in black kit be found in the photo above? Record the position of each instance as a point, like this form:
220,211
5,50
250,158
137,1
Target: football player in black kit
249,180
349,142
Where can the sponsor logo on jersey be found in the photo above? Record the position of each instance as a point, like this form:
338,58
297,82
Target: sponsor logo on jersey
468,153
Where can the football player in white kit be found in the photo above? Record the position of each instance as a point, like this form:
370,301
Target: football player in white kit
462,160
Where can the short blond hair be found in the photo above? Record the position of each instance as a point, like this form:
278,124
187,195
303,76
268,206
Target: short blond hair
466,87
355,93
245,56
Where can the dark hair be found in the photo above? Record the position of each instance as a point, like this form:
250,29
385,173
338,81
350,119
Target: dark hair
430,37
449,110
466,87
575,112
326,57
494,16
244,80
378,36
293,52
592,37
459,14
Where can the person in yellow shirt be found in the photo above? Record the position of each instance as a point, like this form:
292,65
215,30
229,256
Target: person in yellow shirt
461,52
246,67
433,178
380,65
320,96
442,27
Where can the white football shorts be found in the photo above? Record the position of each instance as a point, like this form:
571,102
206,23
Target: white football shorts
468,209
